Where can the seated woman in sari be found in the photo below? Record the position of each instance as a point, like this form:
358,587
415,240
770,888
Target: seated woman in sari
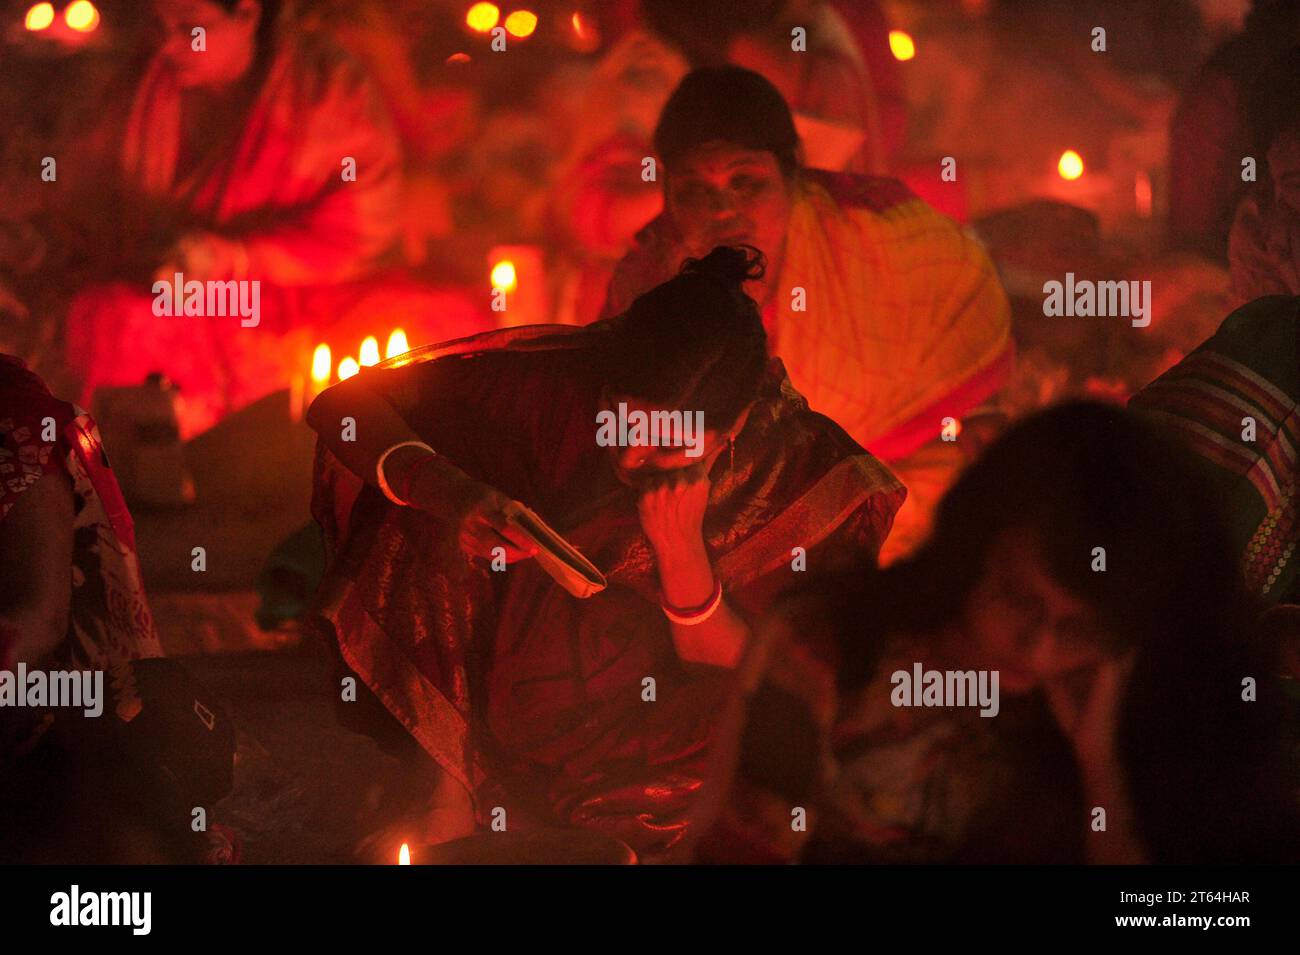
559,711
1082,563
267,156
71,596
887,315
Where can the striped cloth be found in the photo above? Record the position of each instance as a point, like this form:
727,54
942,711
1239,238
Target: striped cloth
1233,401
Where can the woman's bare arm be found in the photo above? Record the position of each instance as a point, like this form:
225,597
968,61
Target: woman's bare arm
36,553
429,482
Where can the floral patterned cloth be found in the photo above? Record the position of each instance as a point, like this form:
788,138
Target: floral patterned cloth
110,622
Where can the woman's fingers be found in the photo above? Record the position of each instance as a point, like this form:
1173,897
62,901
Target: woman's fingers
493,529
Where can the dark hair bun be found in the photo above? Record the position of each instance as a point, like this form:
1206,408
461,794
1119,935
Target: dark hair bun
729,265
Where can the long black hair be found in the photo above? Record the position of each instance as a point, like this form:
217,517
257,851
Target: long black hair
696,342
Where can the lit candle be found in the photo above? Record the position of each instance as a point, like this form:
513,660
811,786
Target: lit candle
1070,165
303,393
901,45
482,17
518,278
81,16
397,344
347,368
39,17
320,365
521,23
370,351
404,855
504,276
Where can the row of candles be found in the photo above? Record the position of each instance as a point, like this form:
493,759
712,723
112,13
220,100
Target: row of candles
324,373
368,355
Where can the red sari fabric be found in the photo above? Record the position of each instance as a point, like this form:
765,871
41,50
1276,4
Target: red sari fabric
533,699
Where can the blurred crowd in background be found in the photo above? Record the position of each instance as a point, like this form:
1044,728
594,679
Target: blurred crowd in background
522,168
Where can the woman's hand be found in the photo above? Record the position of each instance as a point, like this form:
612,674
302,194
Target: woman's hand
1087,708
671,509
479,513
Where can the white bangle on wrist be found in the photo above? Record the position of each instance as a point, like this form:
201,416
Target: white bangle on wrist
379,469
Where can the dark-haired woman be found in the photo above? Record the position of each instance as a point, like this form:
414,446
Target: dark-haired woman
562,711
247,151
1134,718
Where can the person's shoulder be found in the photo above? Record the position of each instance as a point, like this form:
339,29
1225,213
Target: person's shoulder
885,211
1270,316
878,194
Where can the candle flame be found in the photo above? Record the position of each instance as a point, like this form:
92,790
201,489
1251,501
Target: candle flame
347,368
370,351
1070,165
397,344
81,16
404,855
39,16
482,17
521,23
504,277
320,363
1142,194
901,45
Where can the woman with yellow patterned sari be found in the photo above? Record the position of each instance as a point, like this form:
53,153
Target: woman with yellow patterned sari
546,709
888,317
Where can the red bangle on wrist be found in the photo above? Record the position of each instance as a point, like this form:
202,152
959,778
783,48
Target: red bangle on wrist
692,616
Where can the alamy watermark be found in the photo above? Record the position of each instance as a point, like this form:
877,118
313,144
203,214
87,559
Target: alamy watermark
655,429
922,687
74,907
210,299
82,689
1085,298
